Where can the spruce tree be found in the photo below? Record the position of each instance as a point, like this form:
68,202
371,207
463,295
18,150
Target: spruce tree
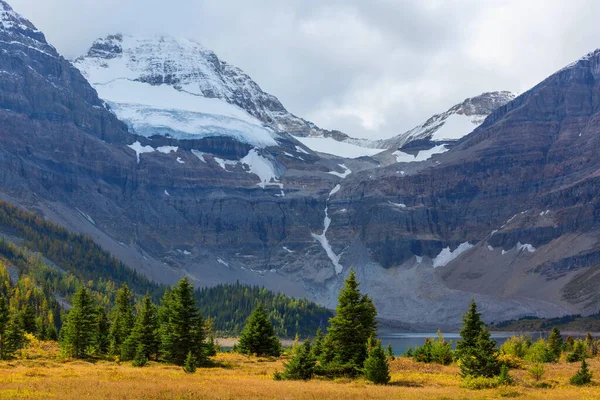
145,333
317,347
583,375
184,332
555,345
121,319
258,336
351,327
302,365
15,338
190,363
5,351
376,368
28,319
80,328
476,351
102,334
390,353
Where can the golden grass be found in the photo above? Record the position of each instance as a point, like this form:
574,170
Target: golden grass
240,377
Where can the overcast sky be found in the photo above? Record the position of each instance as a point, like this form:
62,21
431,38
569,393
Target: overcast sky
371,68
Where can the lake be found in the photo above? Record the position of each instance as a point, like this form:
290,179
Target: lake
402,341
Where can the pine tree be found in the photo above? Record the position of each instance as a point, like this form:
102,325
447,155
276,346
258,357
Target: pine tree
302,365
144,333
351,327
80,328
258,336
555,345
376,368
583,375
121,319
184,331
102,334
476,351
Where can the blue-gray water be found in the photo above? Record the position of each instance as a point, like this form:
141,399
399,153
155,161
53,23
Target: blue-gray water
402,341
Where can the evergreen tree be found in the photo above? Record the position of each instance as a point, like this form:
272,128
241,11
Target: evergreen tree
140,359
258,336
80,328
190,363
472,326
390,353
351,327
184,332
476,351
102,334
302,365
376,368
555,344
144,333
583,375
15,338
5,350
121,319
28,317
317,347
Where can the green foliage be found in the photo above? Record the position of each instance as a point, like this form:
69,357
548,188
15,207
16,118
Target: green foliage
258,336
350,329
437,351
317,347
504,378
121,319
583,375
479,382
145,333
408,353
190,364
183,331
76,254
390,353
229,306
11,334
476,351
579,352
555,345
376,368
103,333
140,359
79,331
301,366
537,371
516,346
538,352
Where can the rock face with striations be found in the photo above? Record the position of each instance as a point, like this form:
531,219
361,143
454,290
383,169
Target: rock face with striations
507,214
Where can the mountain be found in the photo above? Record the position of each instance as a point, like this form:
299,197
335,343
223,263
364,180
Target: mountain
506,215
453,124
434,136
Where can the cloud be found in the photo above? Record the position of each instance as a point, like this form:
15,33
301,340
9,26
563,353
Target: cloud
371,69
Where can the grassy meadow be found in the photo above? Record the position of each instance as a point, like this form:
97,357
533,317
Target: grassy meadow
39,372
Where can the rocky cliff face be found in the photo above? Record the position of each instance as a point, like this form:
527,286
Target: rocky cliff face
507,214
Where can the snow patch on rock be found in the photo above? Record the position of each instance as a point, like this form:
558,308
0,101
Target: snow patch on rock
447,255
422,155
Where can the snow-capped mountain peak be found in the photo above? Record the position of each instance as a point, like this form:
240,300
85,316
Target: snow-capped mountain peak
453,124
19,31
184,76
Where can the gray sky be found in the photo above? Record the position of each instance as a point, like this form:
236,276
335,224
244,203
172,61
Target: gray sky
371,68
